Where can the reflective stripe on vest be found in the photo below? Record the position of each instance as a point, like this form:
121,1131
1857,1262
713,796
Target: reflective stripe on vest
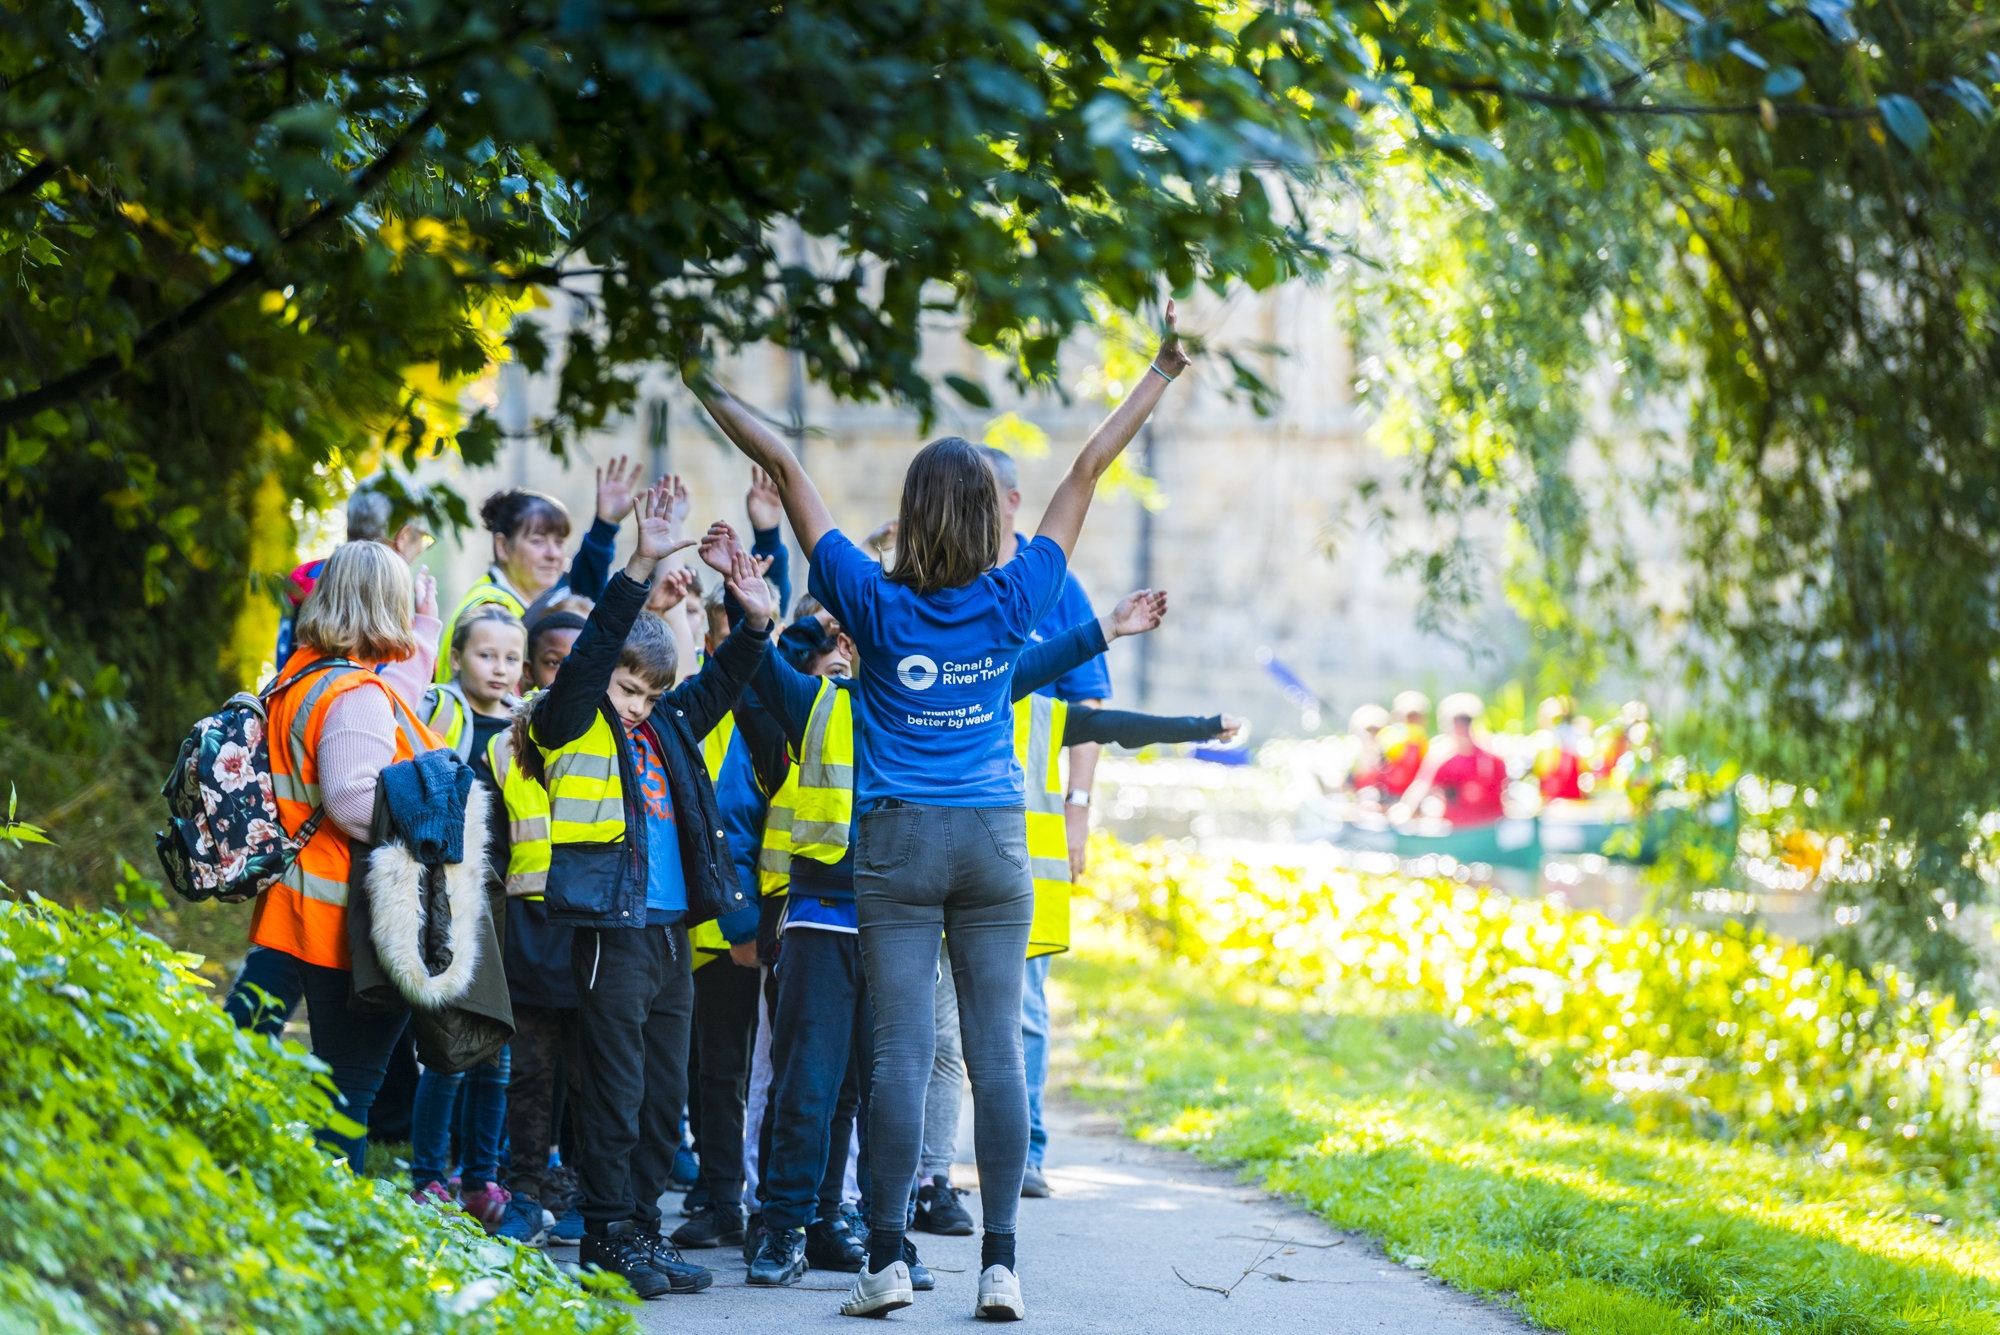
447,714
1038,729
715,747
305,914
586,792
529,849
824,810
774,859
484,590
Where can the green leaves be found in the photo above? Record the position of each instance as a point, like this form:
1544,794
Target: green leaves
1906,120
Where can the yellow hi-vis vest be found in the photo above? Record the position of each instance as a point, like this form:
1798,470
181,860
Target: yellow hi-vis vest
715,746
586,794
1038,731
486,590
811,814
707,940
527,803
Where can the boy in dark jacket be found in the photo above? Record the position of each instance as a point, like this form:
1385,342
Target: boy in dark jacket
639,856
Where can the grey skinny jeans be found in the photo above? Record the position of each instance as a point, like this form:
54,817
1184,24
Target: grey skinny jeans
941,1101
963,872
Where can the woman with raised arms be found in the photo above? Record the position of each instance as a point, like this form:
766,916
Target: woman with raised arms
942,841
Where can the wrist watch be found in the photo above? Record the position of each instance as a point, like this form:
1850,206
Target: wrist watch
1077,797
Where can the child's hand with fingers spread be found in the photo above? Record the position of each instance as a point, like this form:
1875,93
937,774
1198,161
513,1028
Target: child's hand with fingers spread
719,547
678,501
615,484
426,594
752,594
1136,614
656,535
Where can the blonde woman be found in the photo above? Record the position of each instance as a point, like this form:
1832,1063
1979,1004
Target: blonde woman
340,711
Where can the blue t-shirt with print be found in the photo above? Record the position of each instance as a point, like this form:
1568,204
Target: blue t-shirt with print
935,722
666,887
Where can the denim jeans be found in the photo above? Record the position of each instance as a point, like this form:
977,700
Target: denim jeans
485,1124
266,992
1035,1050
356,1044
947,1087
820,1029
961,871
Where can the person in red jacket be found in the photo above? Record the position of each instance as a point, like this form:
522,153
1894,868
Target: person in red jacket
1470,778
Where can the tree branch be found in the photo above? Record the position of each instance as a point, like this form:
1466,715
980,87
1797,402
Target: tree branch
1604,107
33,179
101,371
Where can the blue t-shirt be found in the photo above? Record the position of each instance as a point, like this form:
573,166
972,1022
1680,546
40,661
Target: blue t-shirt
935,722
1090,680
666,887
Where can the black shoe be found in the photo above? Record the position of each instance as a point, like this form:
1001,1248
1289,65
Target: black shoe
753,1234
1033,1184
938,1210
829,1246
695,1201
619,1251
780,1259
920,1278
713,1226
685,1277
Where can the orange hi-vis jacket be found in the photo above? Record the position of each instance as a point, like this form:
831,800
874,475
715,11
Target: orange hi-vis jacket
305,914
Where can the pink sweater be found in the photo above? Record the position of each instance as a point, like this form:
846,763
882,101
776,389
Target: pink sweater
359,738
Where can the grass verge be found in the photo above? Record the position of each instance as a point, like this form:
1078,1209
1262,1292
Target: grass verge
1504,1176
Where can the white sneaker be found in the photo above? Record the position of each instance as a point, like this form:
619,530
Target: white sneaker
883,1292
999,1295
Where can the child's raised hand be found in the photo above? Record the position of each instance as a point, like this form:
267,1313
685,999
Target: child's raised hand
1172,358
656,533
1231,725
764,504
678,501
670,589
616,482
753,595
426,594
1137,613
719,547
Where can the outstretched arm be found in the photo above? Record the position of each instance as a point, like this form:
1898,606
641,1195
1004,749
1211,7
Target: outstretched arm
803,506
1063,520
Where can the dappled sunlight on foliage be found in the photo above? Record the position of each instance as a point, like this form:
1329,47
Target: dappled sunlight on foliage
1729,1033
159,1176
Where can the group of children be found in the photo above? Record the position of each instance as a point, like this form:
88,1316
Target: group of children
839,852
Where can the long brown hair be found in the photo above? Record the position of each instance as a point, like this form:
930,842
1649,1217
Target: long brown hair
948,527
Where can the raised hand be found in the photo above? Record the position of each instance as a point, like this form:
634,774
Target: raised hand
1231,725
1136,614
678,501
763,503
882,540
426,594
1172,358
670,590
615,484
753,595
656,533
719,547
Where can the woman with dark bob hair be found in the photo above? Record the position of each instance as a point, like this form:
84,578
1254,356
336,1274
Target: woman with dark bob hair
940,844
529,529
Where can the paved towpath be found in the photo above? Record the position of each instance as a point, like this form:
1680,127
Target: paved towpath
1101,1256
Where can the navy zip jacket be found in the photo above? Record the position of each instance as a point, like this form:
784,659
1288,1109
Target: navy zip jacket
602,886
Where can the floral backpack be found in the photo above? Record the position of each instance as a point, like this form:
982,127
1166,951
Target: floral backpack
223,838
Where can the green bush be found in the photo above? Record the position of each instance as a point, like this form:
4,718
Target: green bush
157,1173
1730,1033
